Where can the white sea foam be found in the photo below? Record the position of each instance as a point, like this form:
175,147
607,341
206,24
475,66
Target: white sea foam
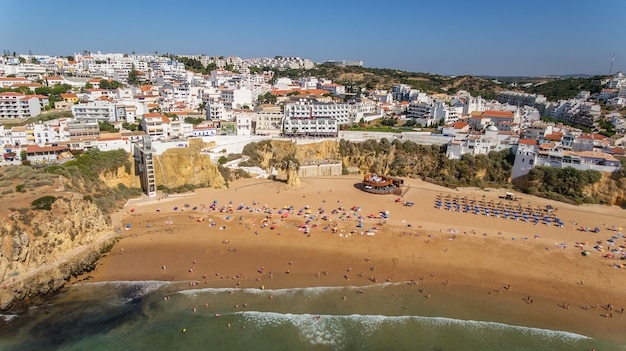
308,291
145,285
8,317
331,329
316,330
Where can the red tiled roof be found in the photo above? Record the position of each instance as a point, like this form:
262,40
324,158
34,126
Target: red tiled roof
36,148
460,125
599,136
494,113
554,136
528,141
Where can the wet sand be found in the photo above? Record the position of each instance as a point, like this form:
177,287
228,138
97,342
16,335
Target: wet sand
473,266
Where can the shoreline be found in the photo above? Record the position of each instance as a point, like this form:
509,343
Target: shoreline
500,262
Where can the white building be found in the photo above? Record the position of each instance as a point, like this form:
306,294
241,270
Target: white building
17,105
268,120
492,140
154,125
243,119
102,111
339,112
237,98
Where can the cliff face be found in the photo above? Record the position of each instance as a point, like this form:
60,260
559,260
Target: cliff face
40,249
176,167
122,175
305,154
609,190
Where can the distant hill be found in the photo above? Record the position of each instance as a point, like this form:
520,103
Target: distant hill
567,88
356,78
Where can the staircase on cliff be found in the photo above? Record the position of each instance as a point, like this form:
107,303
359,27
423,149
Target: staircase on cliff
145,165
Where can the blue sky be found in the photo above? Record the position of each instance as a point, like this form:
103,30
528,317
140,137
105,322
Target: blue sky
506,37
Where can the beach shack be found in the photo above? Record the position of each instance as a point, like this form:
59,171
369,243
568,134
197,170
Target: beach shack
509,196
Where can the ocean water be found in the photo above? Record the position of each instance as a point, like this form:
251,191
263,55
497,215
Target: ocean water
155,315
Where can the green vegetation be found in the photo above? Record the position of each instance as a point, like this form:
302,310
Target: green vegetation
106,127
194,65
23,178
556,121
607,128
185,188
194,120
561,184
408,159
43,203
357,79
568,88
429,162
112,84
84,174
255,151
133,76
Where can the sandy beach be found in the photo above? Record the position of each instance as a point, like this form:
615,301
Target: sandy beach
263,234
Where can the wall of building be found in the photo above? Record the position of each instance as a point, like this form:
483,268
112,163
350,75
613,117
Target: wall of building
332,169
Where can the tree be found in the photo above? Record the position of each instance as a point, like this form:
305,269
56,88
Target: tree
43,203
106,127
128,126
43,91
104,84
202,107
88,85
133,75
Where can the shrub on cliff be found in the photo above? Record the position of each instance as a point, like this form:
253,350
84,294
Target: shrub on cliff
561,184
43,203
84,172
429,162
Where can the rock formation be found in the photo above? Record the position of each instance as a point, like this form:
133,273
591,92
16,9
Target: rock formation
180,166
40,249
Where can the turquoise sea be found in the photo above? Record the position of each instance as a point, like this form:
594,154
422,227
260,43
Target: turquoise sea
156,315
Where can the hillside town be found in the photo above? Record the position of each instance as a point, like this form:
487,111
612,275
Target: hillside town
113,101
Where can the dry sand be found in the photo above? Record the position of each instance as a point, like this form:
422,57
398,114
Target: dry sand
514,270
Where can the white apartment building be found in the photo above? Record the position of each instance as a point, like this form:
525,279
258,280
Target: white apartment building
311,127
25,70
17,105
491,140
237,98
404,92
334,88
83,130
41,134
445,113
529,155
177,128
215,110
243,119
102,111
365,109
339,112
421,113
6,82
155,125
